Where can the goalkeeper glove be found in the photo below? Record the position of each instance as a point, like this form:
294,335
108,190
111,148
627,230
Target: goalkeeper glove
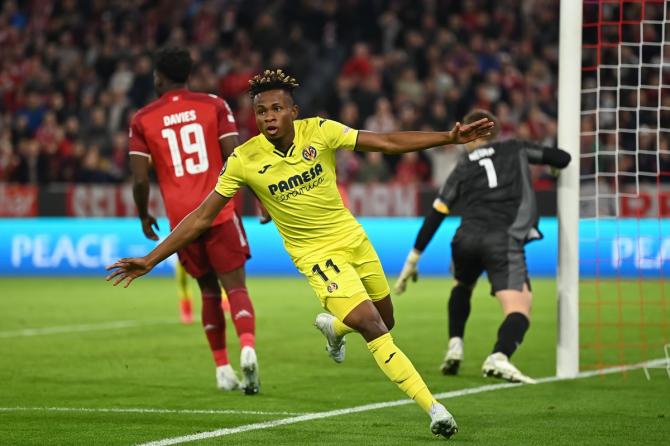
409,271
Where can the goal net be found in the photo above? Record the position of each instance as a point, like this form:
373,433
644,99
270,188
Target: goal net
624,180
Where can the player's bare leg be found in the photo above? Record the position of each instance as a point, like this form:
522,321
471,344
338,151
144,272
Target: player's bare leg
367,320
244,318
516,307
385,308
335,330
214,325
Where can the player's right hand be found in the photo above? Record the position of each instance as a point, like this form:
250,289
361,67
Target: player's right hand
148,225
409,271
127,269
463,133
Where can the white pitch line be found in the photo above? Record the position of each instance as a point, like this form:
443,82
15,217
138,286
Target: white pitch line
143,410
114,325
368,407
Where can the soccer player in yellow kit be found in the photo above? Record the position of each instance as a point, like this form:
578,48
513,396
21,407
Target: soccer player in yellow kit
290,167
183,294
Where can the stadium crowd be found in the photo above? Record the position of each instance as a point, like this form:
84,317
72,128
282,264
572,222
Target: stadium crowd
73,72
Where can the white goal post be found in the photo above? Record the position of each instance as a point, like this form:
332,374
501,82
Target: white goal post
569,108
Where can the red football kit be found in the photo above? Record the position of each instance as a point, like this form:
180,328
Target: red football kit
180,132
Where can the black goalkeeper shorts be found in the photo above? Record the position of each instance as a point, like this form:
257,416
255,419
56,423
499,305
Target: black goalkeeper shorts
500,255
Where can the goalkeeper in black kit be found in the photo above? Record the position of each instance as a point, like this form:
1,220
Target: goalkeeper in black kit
492,187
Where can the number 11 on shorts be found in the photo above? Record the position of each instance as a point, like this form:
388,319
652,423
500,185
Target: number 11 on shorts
329,264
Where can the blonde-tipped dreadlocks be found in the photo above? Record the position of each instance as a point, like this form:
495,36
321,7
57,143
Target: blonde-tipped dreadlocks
272,80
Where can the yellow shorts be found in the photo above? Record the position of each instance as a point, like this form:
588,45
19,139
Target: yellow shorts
344,278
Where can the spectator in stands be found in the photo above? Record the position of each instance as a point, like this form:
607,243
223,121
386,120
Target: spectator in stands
411,64
373,169
8,159
358,67
349,114
443,160
33,111
383,119
94,169
412,170
32,164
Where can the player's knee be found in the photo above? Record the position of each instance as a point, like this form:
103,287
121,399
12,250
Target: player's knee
233,280
372,329
389,321
460,296
517,307
463,289
209,286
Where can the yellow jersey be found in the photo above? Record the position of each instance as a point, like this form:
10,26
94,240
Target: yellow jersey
298,188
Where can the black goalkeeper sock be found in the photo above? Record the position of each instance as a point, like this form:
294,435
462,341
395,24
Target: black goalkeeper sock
510,333
459,310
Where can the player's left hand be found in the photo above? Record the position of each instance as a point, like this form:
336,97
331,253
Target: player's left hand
462,133
148,225
409,271
127,269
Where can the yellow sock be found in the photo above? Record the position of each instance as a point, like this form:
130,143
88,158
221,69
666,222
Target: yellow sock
341,328
182,282
400,370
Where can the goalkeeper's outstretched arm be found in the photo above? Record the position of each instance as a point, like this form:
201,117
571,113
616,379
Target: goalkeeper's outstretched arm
430,226
551,156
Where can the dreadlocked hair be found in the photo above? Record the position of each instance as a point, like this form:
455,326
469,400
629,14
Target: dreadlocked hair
272,80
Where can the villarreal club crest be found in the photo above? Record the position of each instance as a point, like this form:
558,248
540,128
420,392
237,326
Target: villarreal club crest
309,153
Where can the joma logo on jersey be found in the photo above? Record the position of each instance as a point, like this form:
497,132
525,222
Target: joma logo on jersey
309,153
296,180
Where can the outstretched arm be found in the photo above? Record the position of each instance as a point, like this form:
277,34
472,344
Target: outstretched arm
409,270
448,197
430,226
188,230
403,142
551,156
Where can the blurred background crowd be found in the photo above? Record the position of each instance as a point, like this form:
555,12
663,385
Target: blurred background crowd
73,72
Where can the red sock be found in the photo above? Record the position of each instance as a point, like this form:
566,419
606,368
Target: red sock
186,312
215,327
243,316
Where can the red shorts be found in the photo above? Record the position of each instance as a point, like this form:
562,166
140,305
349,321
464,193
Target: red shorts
222,248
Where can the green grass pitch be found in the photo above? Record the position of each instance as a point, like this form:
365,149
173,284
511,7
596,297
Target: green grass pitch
156,363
